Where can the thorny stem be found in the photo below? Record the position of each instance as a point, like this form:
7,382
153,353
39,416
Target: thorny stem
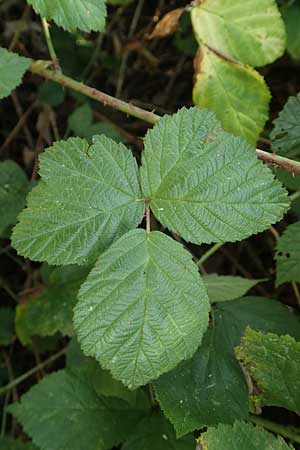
209,253
31,372
40,68
50,46
286,432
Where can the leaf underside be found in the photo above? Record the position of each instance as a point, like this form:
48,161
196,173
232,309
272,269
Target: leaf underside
251,31
143,308
288,255
221,288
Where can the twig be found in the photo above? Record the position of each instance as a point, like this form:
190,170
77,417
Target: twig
17,128
209,253
50,46
286,432
39,68
32,371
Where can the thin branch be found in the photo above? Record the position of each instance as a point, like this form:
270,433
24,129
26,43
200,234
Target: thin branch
286,432
209,253
40,68
50,46
32,371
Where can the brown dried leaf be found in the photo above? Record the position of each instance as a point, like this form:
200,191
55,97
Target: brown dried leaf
167,25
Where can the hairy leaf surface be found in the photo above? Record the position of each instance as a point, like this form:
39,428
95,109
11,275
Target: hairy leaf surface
231,90
7,443
207,185
12,69
221,288
157,433
286,133
288,255
251,31
143,308
14,186
241,436
273,362
210,388
64,411
85,15
88,197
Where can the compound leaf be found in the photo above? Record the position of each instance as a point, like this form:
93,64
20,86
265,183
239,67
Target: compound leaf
12,69
273,363
241,436
85,15
51,310
88,197
251,31
64,411
286,133
210,388
221,288
143,308
14,186
157,433
288,255
230,90
206,185
7,443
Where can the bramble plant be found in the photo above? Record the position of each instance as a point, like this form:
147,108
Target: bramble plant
159,354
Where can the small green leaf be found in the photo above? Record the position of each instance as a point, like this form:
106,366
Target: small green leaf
286,133
7,443
288,255
210,388
7,325
273,363
221,288
156,433
241,436
52,310
231,90
63,411
14,186
85,15
251,31
291,17
206,185
143,308
12,69
88,197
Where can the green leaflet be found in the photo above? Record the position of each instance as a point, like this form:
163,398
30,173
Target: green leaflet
7,325
273,363
286,133
64,411
12,69
85,15
291,17
88,196
288,255
14,186
251,31
221,288
230,90
156,433
143,308
210,388
207,185
241,436
7,443
51,311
